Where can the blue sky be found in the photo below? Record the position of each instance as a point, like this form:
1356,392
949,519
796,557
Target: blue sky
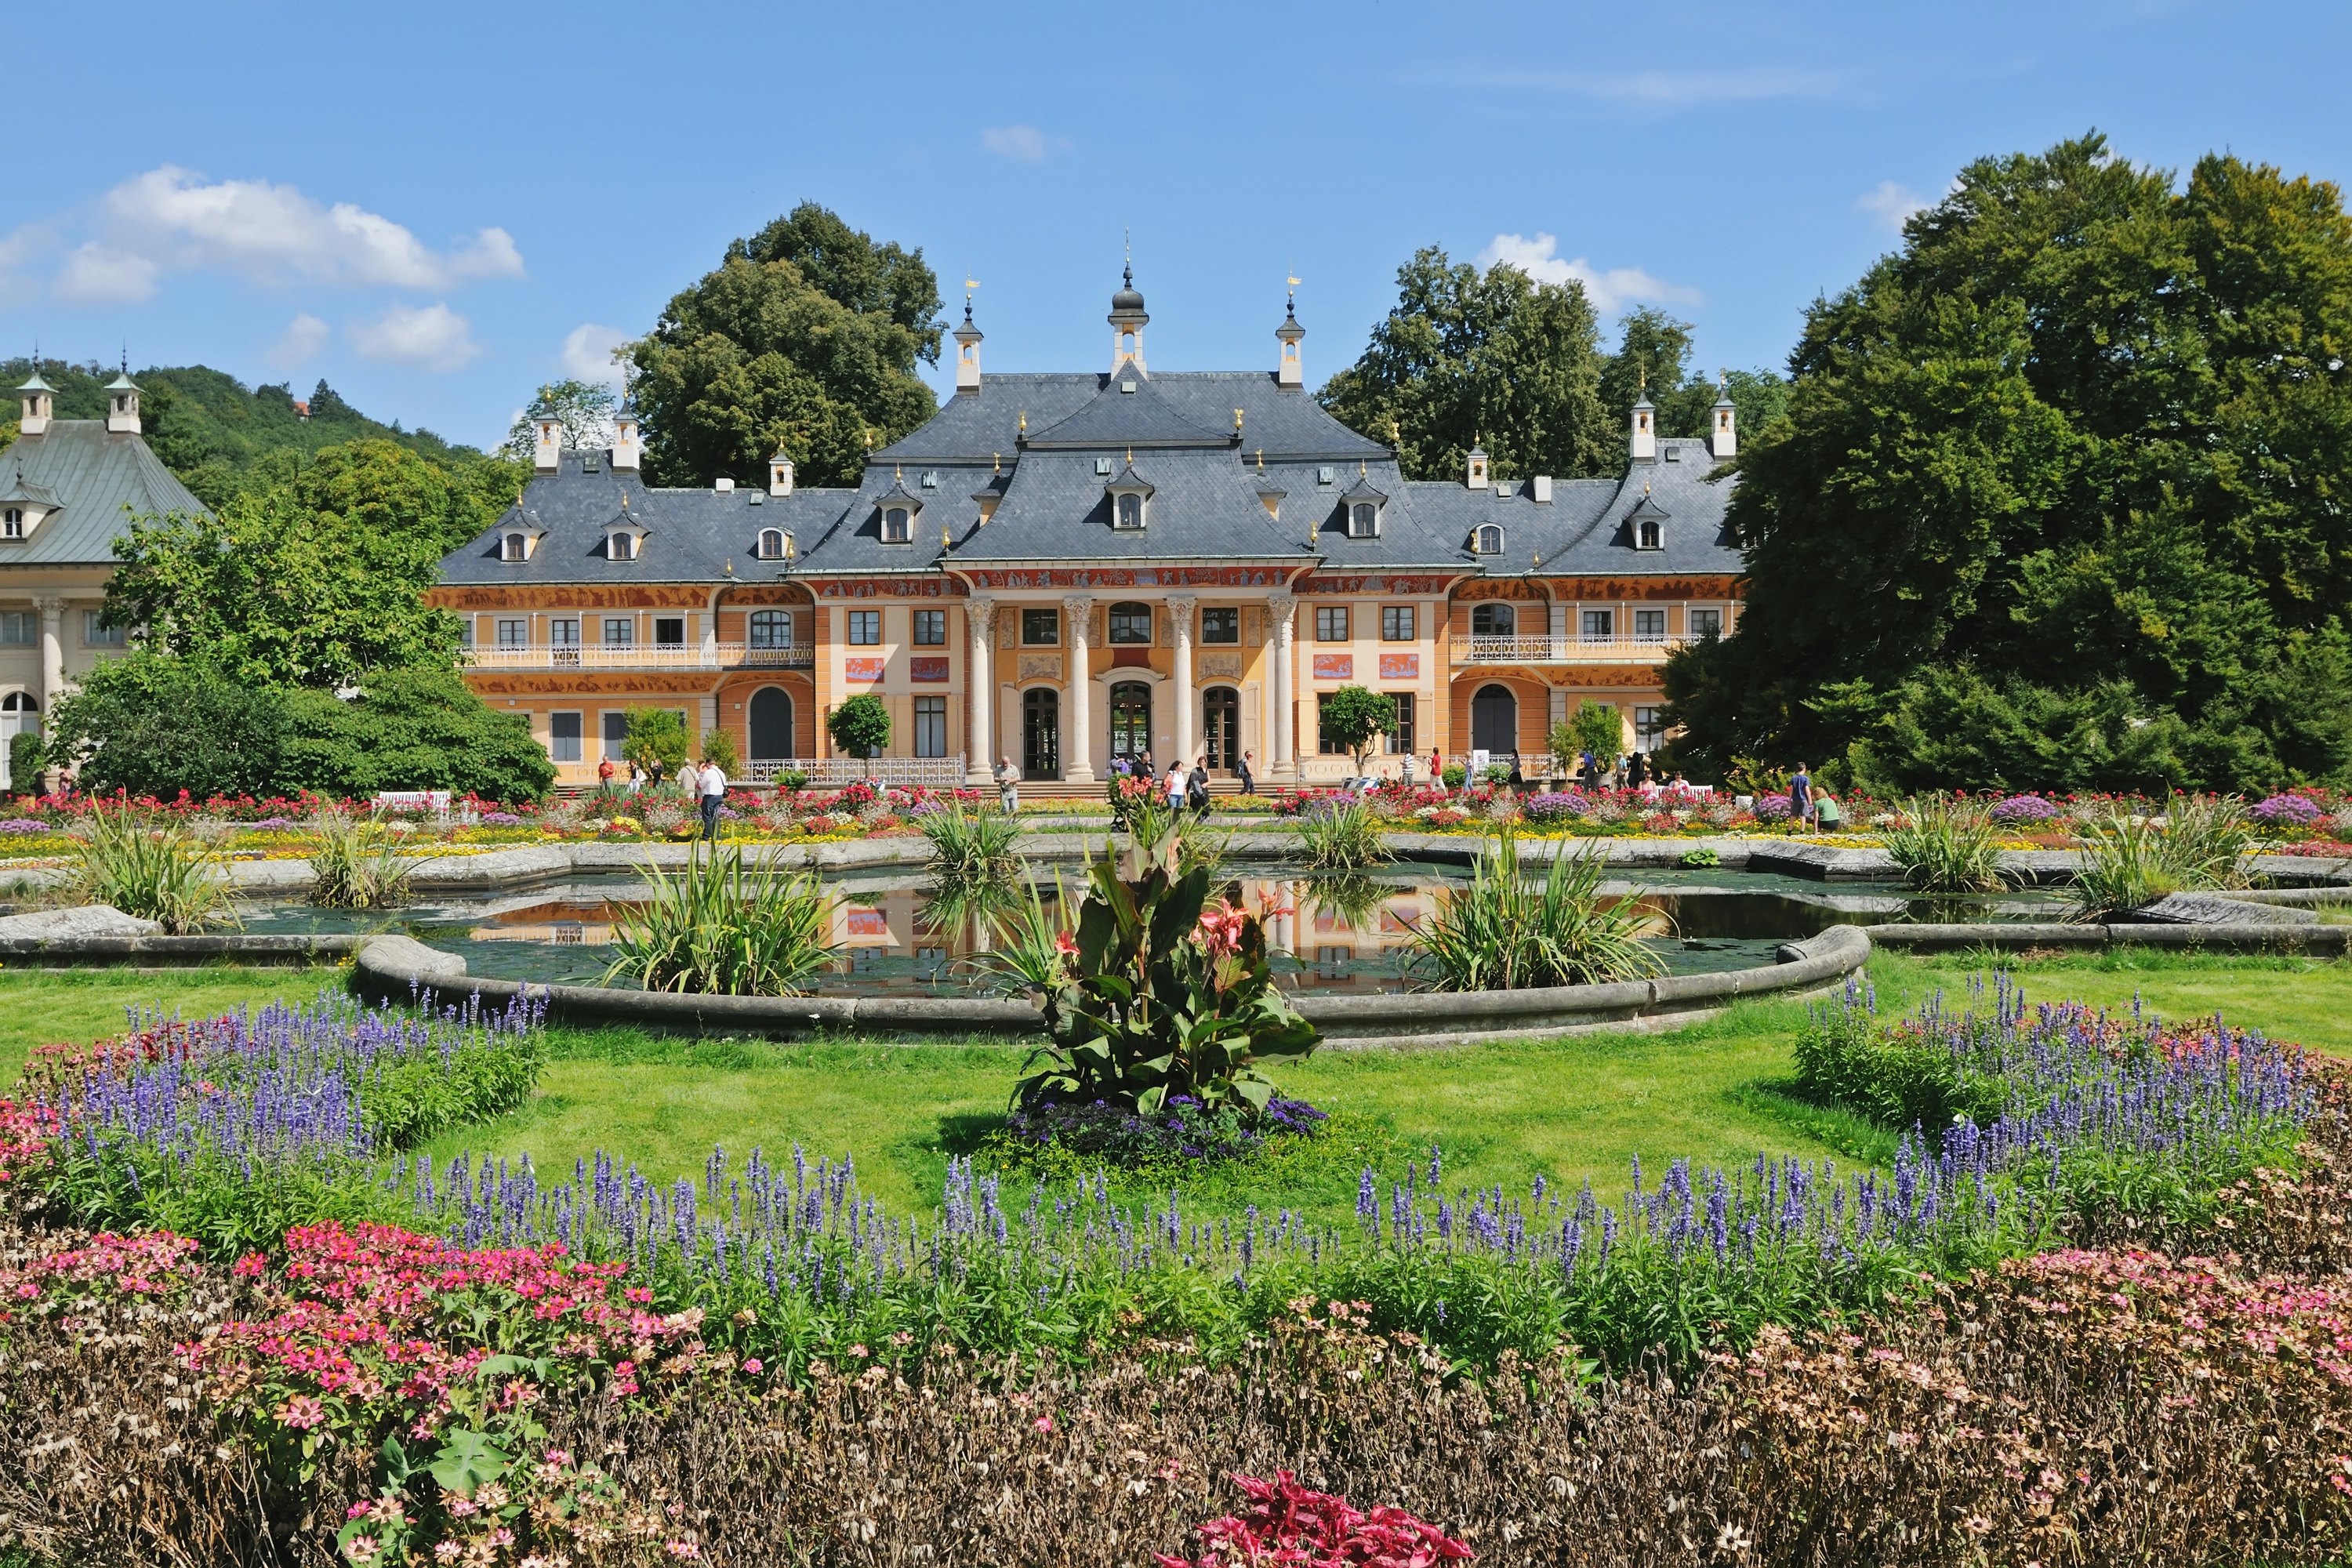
436,208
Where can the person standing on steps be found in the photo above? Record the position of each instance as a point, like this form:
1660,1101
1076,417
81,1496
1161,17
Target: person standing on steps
1249,779
1178,786
1196,787
1008,786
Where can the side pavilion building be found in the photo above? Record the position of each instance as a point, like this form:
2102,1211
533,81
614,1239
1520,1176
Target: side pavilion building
1069,569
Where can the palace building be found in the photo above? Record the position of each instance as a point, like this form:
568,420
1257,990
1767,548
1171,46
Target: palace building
67,487
1069,569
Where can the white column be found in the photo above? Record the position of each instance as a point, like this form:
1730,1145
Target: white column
1180,610
53,653
1077,724
980,688
1282,609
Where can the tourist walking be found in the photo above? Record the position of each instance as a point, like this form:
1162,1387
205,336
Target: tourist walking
1008,786
604,778
1518,780
1249,779
713,783
1177,785
1637,772
1801,795
636,776
1404,771
1196,788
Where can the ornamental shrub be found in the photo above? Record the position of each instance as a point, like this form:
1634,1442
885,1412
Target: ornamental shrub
2288,811
2025,808
1181,1130
1555,807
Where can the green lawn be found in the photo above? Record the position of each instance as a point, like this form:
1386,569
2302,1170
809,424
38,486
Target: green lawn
1573,1109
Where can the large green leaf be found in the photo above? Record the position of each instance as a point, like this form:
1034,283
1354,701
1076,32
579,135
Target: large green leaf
467,1460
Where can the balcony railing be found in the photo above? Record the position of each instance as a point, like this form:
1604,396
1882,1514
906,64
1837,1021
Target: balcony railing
832,772
1565,650
640,656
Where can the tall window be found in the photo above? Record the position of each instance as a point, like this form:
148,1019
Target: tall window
930,726
670,631
1400,736
1330,623
1490,540
1648,537
620,546
563,737
615,729
515,547
898,525
19,628
931,630
1649,625
620,631
563,631
1363,520
1131,510
864,628
514,632
97,633
1041,628
12,523
1600,626
1493,621
1324,740
1649,729
772,628
1131,622
1223,625
771,544
1396,623
1706,622
1130,719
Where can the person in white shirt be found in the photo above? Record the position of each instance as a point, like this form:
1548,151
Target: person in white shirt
1008,786
712,782
1176,784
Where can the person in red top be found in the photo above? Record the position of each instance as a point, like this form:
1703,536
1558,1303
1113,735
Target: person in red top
605,777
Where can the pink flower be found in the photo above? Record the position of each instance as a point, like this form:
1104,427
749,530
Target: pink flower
683,1549
1043,1423
302,1411
753,1365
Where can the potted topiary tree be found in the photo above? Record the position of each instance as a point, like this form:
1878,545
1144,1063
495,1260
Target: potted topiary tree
1352,716
860,726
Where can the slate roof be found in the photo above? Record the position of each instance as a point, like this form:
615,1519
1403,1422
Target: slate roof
1052,505
690,536
99,480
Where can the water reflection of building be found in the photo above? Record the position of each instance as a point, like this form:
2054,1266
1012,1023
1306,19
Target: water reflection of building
1071,569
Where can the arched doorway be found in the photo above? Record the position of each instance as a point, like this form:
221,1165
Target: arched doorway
20,714
1041,733
1221,727
1495,720
1131,719
770,724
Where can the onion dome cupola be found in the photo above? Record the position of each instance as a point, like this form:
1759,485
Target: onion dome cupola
1127,320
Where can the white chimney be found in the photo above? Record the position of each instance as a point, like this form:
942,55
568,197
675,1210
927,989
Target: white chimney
1289,373
547,449
38,395
1541,485
628,440
780,474
722,484
967,338
1722,439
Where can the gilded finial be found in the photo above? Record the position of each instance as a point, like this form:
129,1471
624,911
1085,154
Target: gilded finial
1362,470
1024,422
1261,459
945,542
1237,421
788,547
899,474
996,462
729,569
1130,457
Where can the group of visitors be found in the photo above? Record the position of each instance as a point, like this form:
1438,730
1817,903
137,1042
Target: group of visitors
1813,807
1185,787
702,780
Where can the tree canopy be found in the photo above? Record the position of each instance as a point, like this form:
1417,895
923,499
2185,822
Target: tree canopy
586,409
2059,498
804,340
308,582
1498,358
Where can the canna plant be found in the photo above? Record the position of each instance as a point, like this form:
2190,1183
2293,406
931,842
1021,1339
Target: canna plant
1165,994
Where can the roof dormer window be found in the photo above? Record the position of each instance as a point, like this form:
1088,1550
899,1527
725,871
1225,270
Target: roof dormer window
1648,535
1363,521
1130,500
771,544
1131,510
1487,540
1362,505
898,525
515,546
12,523
621,545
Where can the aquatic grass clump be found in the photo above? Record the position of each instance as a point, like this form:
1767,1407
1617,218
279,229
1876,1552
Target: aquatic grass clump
971,849
1947,844
1337,833
1510,931
156,871
718,927
354,864
2131,861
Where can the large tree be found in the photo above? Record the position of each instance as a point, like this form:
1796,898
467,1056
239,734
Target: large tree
806,339
1490,358
2060,499
308,582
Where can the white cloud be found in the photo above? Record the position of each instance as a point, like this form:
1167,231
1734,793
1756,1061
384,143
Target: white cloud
95,274
588,353
432,337
1655,88
1892,203
1022,144
1610,291
299,344
274,234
